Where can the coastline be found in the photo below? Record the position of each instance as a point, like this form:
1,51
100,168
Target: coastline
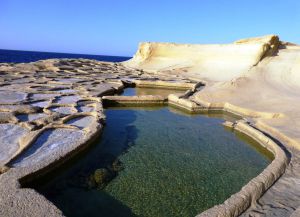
237,94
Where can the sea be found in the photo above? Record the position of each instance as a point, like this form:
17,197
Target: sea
18,56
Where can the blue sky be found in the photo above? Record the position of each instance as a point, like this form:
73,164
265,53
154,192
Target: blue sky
116,27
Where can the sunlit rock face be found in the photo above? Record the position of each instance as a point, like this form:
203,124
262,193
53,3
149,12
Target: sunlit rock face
50,108
9,137
46,144
216,62
258,77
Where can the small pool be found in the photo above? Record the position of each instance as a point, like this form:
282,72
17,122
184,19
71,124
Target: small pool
140,91
156,163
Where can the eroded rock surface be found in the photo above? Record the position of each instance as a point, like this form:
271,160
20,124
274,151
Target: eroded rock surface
52,108
281,199
47,143
9,140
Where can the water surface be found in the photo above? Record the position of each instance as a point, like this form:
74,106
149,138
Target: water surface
18,56
149,91
172,164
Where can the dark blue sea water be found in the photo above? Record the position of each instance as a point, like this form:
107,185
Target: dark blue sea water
16,56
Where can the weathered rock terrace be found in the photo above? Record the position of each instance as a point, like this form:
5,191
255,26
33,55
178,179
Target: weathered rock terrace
52,109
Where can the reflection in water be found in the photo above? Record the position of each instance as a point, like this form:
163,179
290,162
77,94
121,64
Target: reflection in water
149,91
171,165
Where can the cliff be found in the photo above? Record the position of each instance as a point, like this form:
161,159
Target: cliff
217,62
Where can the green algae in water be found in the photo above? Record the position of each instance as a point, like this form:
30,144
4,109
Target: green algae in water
174,165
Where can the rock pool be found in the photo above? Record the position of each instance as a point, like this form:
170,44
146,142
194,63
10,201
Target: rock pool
138,91
159,163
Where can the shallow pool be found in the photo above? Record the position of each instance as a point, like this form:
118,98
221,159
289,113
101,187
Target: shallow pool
141,91
160,163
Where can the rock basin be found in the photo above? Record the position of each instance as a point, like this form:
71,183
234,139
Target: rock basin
138,91
163,174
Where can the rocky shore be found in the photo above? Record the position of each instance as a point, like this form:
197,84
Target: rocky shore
52,109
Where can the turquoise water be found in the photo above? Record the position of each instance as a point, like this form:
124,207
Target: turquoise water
159,164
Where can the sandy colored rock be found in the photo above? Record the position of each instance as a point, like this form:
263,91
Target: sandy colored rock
257,78
219,62
57,104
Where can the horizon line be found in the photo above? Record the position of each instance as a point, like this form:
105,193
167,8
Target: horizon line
64,53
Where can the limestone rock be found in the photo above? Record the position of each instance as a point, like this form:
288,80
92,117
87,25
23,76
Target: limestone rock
210,62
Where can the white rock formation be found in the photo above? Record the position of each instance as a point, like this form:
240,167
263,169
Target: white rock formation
259,78
211,62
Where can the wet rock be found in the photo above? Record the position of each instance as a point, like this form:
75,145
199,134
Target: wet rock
117,166
100,178
101,175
